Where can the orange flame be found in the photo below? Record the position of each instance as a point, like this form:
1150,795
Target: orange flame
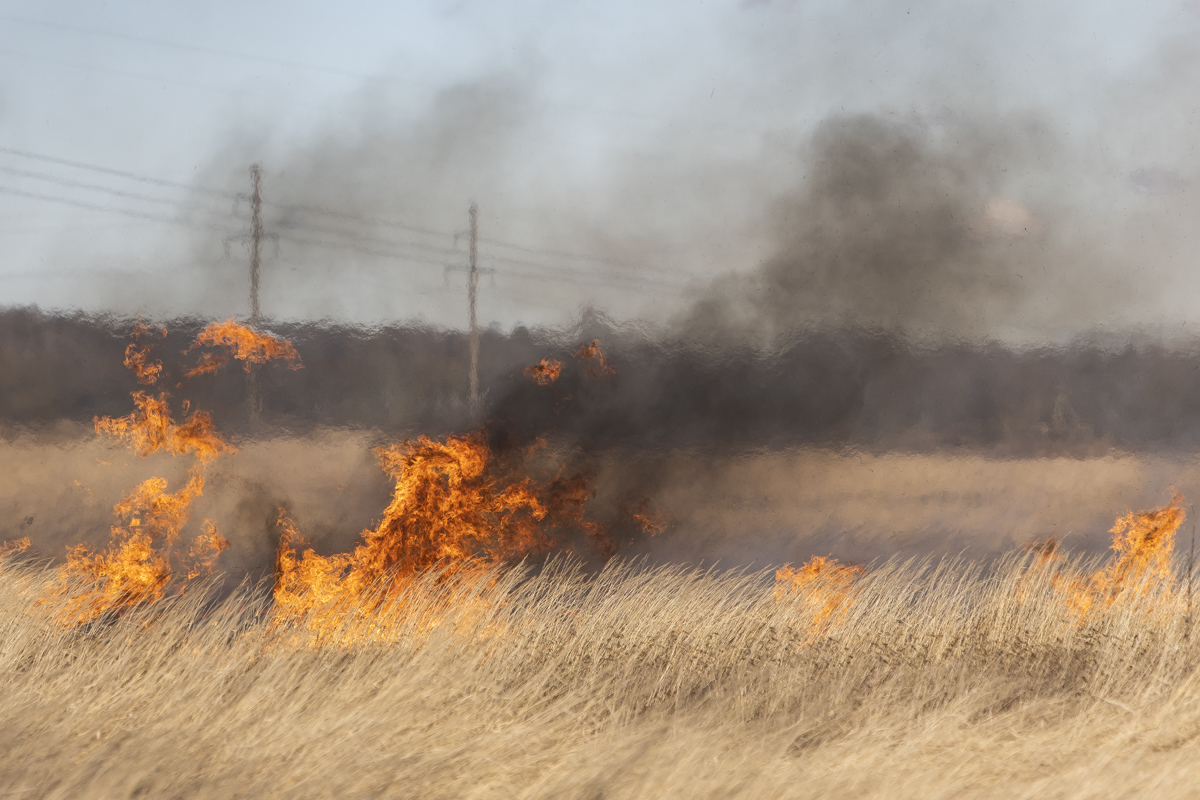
205,550
9,549
454,506
209,363
822,585
247,345
137,358
543,373
650,520
131,572
596,365
151,429
1142,545
137,566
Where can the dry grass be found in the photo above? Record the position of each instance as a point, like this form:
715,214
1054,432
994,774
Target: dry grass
945,680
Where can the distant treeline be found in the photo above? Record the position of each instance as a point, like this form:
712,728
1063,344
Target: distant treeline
842,387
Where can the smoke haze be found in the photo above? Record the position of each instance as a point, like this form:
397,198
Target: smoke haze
805,233
949,169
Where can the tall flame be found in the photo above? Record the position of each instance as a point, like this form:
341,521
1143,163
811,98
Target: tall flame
1143,543
454,506
137,566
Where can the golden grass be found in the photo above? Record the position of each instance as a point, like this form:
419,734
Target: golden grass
942,680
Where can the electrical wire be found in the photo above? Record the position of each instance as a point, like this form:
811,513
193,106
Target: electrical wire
107,209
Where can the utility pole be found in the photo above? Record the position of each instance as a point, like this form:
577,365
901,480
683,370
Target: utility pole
472,288
256,233
255,240
253,390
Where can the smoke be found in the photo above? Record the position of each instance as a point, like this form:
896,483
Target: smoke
889,229
961,262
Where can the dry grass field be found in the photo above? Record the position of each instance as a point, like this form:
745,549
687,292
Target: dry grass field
923,680
404,648
759,509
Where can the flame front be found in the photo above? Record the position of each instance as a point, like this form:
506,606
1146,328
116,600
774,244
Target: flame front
454,507
137,565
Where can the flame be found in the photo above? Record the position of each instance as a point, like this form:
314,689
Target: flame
650,520
137,358
543,373
130,572
208,364
455,507
204,551
137,565
9,549
247,345
824,587
596,365
1142,545
151,429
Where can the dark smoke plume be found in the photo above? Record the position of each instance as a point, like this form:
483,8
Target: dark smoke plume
898,226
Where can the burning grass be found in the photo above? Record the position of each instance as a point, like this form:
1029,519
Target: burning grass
432,661
940,680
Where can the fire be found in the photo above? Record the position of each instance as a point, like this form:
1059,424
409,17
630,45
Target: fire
650,520
595,363
151,429
247,345
1143,543
455,506
130,572
1142,546
140,561
205,550
9,549
543,373
824,586
137,359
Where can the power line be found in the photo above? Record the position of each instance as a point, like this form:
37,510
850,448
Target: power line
94,187
133,176
333,213
357,238
105,209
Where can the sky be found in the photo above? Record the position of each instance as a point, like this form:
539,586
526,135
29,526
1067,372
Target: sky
636,157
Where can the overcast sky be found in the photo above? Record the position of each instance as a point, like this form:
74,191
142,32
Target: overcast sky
622,154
